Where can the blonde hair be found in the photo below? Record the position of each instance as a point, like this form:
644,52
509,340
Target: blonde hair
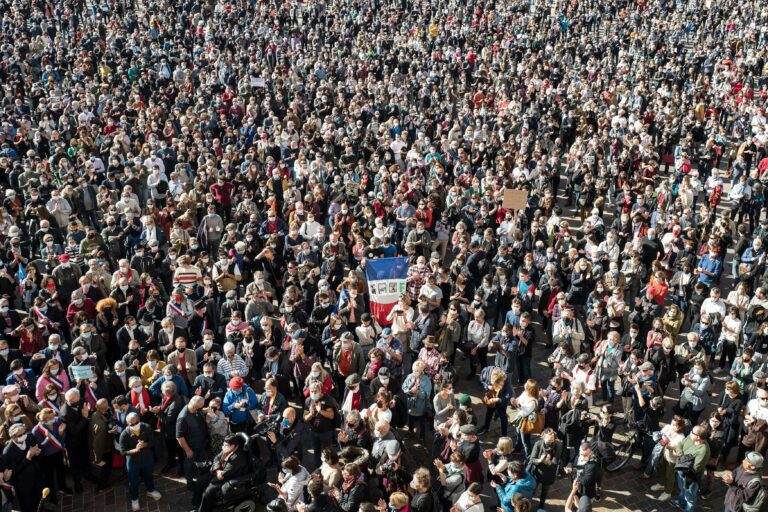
532,388
504,445
398,499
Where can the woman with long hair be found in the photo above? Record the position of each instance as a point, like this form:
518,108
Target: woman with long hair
527,403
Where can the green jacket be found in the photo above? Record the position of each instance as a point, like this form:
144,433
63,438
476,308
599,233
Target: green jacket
700,453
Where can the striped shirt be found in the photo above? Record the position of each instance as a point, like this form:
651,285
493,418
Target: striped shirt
184,276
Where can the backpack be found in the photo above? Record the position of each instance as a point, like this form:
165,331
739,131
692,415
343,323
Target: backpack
757,501
570,422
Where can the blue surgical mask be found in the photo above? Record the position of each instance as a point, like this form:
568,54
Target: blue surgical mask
286,422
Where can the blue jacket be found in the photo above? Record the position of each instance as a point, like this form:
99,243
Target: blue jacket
526,487
715,266
181,387
239,416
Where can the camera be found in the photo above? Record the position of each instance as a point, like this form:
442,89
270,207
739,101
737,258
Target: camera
270,424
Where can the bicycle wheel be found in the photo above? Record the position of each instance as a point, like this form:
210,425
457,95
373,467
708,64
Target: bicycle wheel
624,452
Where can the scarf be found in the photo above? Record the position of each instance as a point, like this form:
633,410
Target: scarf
166,402
137,399
57,383
48,437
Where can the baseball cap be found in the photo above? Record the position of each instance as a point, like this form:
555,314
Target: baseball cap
755,459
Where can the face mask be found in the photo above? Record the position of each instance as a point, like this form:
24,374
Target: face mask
152,364
286,422
235,322
315,396
268,392
78,302
86,335
208,344
137,389
52,396
21,439
692,345
167,378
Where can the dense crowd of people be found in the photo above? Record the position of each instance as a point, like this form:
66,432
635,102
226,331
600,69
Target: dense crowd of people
192,191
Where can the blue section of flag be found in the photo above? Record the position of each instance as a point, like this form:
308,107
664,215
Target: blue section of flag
21,274
386,268
343,298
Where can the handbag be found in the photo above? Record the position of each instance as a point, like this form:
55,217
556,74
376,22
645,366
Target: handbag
532,424
685,465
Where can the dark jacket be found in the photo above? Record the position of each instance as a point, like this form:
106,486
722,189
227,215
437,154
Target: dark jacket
350,499
167,417
587,474
128,442
115,386
217,385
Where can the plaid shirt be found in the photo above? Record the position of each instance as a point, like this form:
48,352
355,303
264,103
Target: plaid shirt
412,287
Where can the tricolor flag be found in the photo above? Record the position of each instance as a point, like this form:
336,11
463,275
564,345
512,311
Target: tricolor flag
386,283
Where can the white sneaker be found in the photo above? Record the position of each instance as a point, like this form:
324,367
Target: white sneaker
135,505
657,487
663,496
154,495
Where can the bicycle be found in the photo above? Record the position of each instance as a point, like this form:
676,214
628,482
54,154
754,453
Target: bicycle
626,449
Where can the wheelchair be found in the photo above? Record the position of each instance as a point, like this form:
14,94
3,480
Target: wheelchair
244,493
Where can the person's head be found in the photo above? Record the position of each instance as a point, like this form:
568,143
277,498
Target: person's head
381,429
350,472
196,403
168,388
422,480
291,465
532,388
753,462
316,390
72,396
732,388
398,500
132,420
585,450
52,367
231,443
504,446
289,414
699,434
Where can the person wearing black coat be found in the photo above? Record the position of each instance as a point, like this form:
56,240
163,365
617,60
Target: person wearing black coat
167,413
585,469
21,456
230,463
210,383
117,382
545,459
353,489
74,414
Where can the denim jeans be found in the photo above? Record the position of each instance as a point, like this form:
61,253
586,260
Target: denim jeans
523,441
689,493
136,473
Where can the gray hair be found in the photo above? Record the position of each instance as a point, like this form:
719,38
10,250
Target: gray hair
168,387
131,415
119,364
72,393
229,346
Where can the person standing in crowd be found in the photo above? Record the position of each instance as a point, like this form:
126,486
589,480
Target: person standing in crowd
136,444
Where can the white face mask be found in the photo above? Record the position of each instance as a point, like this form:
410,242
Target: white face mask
315,396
